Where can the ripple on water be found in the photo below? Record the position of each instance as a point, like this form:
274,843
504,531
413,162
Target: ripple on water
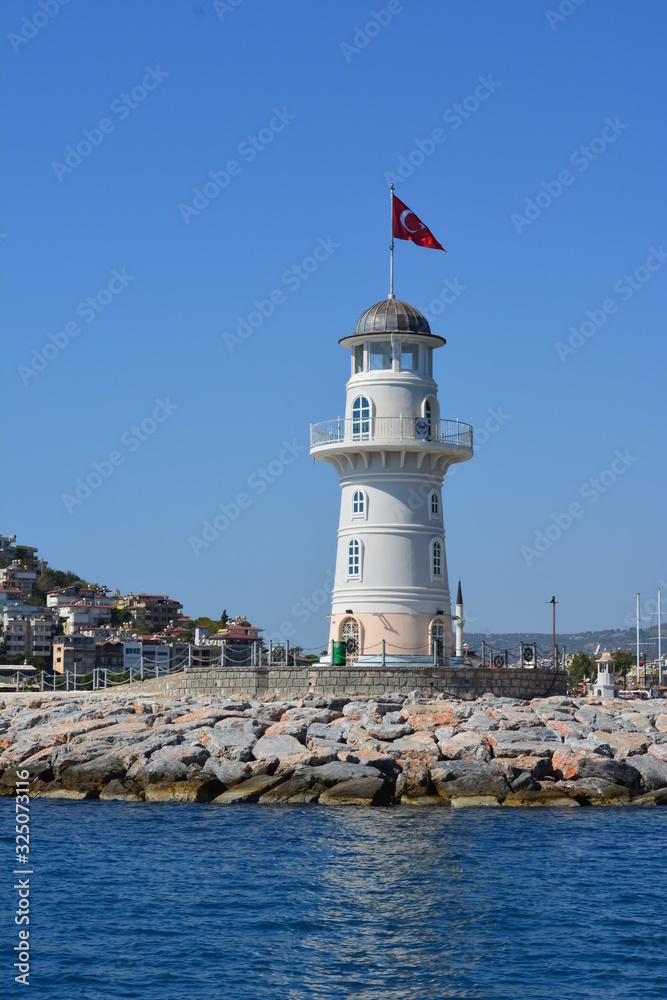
177,902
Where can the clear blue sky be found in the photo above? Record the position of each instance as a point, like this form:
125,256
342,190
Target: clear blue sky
334,109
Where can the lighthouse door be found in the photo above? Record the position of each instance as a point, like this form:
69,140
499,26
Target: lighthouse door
438,638
350,633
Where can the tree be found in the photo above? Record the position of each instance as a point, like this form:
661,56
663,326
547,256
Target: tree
120,616
623,661
224,618
582,665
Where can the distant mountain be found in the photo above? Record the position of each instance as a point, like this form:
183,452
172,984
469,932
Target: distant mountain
585,642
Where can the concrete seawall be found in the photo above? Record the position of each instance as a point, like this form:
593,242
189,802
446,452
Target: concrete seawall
377,682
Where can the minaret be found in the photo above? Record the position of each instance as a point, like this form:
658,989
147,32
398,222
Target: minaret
391,450
459,624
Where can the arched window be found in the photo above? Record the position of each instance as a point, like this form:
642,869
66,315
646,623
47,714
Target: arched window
435,505
354,557
436,558
361,419
359,504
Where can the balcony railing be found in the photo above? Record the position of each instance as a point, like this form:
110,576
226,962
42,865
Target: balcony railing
390,430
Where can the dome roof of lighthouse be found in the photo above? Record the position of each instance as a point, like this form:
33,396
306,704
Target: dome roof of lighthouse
391,316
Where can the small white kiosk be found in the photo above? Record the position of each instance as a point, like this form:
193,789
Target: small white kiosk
605,686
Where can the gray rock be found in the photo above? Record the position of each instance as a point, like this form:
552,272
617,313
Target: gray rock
248,791
479,722
228,772
524,782
337,771
597,719
596,791
614,771
161,771
388,733
187,753
94,773
365,791
322,731
483,779
115,790
653,772
301,787
277,746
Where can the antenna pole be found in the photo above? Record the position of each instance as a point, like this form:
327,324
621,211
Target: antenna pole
659,640
637,640
391,248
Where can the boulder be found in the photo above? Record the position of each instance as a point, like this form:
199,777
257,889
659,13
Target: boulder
289,727
333,731
507,743
474,778
597,792
414,780
637,720
657,750
653,772
420,744
524,782
249,790
614,771
187,754
657,798
193,789
624,743
383,762
550,795
338,771
227,772
389,733
594,718
473,801
479,722
93,774
661,722
301,787
115,790
160,771
276,746
465,745
365,791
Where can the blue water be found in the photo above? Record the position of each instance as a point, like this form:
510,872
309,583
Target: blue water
178,902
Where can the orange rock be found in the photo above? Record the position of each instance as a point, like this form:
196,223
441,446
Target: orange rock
565,762
564,728
430,721
659,751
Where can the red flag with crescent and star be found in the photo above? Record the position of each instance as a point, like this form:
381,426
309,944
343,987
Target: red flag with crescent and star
407,226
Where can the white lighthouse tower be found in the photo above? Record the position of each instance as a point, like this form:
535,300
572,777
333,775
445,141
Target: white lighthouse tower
391,450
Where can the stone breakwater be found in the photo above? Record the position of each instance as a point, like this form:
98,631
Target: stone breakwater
414,751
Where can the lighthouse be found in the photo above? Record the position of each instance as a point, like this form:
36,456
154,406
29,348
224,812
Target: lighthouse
391,602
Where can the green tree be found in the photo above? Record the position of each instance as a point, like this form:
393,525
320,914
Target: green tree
623,661
582,665
224,618
120,616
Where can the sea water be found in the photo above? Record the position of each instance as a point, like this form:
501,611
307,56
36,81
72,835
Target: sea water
191,902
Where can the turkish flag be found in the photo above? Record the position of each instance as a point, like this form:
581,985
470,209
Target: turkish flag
408,227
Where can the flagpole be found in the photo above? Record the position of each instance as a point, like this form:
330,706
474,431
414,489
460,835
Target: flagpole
391,248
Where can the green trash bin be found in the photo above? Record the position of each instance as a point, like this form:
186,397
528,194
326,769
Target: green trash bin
340,653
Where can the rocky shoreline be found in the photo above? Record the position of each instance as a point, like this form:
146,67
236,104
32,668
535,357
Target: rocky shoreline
412,750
